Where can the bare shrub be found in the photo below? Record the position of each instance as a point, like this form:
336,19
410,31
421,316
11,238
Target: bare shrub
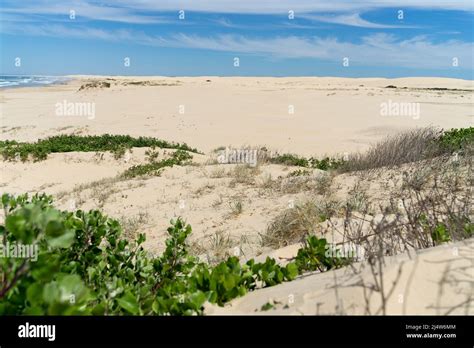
236,207
323,184
132,225
297,184
292,225
243,174
217,173
433,205
419,214
404,147
216,248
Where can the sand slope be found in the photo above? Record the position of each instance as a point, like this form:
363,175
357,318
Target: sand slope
331,115
435,281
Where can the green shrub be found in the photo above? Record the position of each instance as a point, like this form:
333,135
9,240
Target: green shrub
313,256
85,267
290,160
326,163
456,139
154,168
411,146
68,143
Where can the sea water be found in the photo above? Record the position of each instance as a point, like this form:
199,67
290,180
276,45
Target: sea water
10,81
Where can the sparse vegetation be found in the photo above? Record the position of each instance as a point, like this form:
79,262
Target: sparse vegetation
299,172
83,256
461,139
131,226
411,146
39,150
297,184
179,157
326,163
236,207
243,174
101,262
217,173
119,152
292,226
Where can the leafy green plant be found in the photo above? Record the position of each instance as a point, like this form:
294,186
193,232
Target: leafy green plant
299,172
290,160
151,154
85,267
456,139
119,152
179,157
40,149
326,163
440,234
313,256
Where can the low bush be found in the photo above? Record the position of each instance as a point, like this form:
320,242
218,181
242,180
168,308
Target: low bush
155,168
457,139
292,225
40,149
326,163
411,146
84,267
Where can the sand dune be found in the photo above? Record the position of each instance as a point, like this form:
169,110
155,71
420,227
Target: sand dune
303,115
433,281
230,208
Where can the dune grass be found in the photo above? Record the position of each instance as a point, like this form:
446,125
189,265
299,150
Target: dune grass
411,146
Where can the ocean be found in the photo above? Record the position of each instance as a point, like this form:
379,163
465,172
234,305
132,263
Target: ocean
10,81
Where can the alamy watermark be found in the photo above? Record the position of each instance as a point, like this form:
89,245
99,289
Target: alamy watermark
19,251
392,108
85,109
347,250
244,156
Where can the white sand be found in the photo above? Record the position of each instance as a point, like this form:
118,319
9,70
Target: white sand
435,281
331,115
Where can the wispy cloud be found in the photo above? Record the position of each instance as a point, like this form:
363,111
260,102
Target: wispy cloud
377,49
151,11
40,9
301,6
371,50
354,20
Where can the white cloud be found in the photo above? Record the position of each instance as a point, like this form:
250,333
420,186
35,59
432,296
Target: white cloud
82,9
373,50
138,11
353,19
301,6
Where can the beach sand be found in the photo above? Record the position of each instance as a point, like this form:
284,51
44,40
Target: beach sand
330,115
306,116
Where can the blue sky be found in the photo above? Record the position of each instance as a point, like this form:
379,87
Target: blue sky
434,38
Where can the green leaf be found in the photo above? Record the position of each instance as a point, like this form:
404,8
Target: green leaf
197,299
34,293
63,241
229,281
51,293
129,303
72,289
292,270
54,228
